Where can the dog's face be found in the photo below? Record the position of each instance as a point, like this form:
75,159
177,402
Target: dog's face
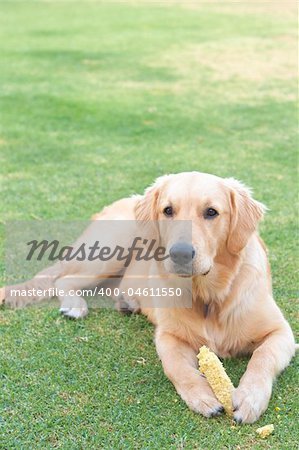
199,217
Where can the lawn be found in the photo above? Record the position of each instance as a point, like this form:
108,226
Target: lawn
98,99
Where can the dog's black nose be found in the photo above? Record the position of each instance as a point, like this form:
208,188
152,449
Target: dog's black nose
182,253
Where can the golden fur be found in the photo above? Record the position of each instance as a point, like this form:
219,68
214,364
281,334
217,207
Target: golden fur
233,310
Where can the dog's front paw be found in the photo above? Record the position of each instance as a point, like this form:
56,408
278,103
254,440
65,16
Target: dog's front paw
202,401
250,402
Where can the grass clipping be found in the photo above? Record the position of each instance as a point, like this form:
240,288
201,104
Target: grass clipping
211,367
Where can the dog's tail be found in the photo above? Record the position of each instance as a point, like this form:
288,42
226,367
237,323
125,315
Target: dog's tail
296,347
39,288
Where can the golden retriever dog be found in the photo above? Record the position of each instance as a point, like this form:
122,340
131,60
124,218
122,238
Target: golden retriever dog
233,311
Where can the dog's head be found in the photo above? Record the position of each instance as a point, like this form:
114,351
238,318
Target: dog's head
222,213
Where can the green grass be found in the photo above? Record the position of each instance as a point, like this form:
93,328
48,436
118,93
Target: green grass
98,99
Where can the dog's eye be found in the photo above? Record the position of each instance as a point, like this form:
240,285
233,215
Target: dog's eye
210,213
168,211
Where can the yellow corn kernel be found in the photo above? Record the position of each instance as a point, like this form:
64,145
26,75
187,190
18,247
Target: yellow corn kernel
211,367
264,431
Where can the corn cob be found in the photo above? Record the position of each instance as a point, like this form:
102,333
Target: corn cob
211,367
264,431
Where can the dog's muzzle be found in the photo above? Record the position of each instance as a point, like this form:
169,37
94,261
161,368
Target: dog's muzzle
182,253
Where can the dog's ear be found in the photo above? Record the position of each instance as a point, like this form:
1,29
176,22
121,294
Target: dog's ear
146,208
245,214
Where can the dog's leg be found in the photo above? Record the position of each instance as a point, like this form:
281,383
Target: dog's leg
127,305
71,305
60,274
180,366
85,277
39,288
252,396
